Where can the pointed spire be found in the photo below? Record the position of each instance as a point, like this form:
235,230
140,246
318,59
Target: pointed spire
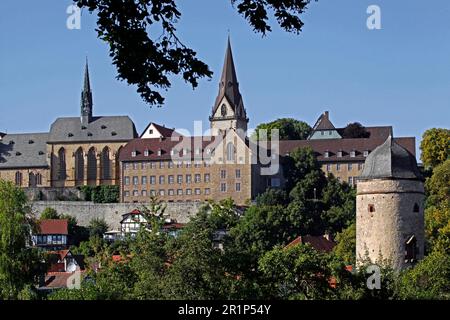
229,85
87,85
86,97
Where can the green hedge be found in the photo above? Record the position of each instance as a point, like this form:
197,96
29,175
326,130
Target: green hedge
101,194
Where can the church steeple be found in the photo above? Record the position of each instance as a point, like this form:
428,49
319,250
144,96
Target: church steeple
86,98
228,110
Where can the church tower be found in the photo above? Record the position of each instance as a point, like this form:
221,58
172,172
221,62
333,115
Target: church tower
390,208
228,111
86,98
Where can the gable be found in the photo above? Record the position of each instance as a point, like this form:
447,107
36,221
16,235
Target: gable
229,110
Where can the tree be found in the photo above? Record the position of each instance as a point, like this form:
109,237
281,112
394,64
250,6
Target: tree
97,227
20,265
435,147
298,164
345,249
150,61
438,185
429,279
49,213
355,130
296,272
289,129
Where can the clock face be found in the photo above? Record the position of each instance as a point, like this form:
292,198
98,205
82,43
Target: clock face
223,110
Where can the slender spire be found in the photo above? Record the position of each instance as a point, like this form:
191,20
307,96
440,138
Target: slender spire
229,85
86,97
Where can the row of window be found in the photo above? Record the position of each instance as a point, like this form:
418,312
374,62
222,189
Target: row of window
163,164
179,192
34,179
339,154
54,239
144,180
349,166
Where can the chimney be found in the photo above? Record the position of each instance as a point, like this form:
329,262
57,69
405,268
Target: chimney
326,114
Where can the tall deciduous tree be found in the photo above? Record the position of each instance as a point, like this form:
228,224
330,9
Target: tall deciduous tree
146,49
20,264
288,129
435,147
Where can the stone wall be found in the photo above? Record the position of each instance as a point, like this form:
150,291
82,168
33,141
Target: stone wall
85,211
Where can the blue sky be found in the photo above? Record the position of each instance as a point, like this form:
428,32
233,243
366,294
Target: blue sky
399,75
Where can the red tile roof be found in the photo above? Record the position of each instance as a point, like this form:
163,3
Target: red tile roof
165,145
320,243
333,146
54,226
56,280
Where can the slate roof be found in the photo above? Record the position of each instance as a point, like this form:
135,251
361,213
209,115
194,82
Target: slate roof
108,128
229,85
390,160
54,226
27,150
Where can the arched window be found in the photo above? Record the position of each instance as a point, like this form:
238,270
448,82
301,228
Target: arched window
31,180
62,164
230,151
18,178
91,165
105,164
38,179
416,208
79,165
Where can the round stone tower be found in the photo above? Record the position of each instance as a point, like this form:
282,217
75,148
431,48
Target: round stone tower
389,208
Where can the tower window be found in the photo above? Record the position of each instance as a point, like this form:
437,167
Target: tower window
371,208
223,110
411,249
416,208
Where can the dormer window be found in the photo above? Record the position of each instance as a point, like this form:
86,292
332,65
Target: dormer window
352,153
30,141
89,134
366,153
159,152
133,153
146,153
114,133
83,127
326,154
339,154
18,154
103,127
11,142
70,134
41,153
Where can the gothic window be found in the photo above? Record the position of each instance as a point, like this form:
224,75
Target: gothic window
38,179
230,151
31,180
105,164
18,178
62,164
411,249
91,165
79,165
416,208
371,208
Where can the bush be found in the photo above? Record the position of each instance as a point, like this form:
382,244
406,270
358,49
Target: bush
101,194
